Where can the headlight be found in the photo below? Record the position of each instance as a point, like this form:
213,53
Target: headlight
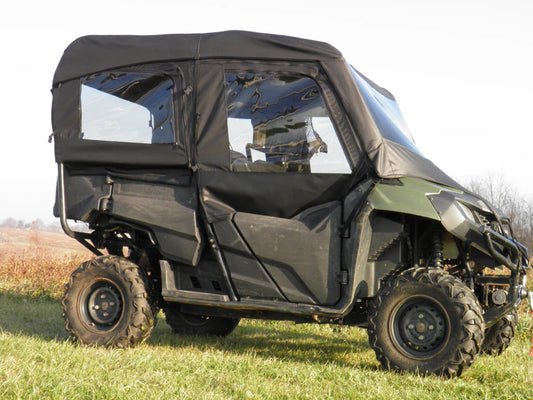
467,211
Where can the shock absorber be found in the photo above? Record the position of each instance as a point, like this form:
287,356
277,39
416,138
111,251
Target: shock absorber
436,249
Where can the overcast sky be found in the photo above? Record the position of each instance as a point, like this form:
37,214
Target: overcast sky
460,70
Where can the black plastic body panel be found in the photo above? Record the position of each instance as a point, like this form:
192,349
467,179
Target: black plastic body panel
161,201
248,275
387,250
83,194
169,212
204,281
302,254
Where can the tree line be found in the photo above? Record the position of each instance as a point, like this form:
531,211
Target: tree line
37,225
509,202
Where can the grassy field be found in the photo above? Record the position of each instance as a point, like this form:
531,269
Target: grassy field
259,360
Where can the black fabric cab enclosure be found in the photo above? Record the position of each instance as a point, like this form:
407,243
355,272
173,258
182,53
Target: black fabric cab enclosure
259,135
187,60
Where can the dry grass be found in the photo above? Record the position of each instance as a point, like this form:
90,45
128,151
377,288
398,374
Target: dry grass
37,263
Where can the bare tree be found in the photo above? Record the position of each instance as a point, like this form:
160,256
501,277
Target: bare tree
509,202
9,223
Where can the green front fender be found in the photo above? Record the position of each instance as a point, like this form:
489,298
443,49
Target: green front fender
407,196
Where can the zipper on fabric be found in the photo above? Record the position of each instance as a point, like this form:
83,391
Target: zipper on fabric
192,146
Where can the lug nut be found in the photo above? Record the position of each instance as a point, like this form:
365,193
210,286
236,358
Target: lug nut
96,307
421,316
431,327
421,337
411,326
102,296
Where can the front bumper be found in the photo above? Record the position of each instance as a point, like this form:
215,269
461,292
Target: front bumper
470,220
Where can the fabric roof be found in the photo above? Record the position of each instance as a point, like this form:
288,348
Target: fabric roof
95,53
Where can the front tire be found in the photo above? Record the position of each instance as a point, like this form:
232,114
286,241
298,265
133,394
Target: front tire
500,335
198,325
425,320
106,303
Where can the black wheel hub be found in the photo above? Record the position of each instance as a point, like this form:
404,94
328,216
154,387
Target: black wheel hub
102,305
420,327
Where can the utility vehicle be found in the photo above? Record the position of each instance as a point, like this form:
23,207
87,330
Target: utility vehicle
245,175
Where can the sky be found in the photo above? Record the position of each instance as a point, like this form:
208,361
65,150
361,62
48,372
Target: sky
461,71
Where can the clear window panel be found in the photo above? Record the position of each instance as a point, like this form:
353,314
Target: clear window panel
127,107
279,123
332,160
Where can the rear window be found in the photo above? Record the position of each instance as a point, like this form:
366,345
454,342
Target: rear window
127,107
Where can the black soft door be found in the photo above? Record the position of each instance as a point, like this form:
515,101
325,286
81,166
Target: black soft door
276,214
128,159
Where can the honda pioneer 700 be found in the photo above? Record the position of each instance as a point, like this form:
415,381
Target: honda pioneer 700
244,175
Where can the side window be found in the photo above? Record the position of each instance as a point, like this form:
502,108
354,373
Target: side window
127,107
279,123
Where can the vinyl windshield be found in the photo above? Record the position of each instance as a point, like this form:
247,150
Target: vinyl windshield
385,112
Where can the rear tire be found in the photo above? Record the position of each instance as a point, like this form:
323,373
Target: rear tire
425,320
143,261
500,335
198,325
106,303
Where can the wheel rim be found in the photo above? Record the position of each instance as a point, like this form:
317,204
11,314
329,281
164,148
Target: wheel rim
101,306
419,327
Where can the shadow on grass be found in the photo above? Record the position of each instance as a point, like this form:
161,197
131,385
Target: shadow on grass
41,318
281,340
288,343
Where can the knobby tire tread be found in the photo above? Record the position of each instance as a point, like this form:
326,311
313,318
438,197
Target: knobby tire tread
470,309
142,325
499,336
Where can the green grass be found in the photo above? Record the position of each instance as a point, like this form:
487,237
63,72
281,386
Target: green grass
260,360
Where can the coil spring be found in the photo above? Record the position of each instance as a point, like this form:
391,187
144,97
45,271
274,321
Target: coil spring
436,249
